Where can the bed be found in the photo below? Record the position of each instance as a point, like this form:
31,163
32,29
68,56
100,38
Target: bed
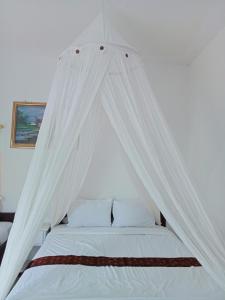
65,281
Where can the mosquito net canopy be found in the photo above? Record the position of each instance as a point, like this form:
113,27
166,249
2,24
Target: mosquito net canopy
101,72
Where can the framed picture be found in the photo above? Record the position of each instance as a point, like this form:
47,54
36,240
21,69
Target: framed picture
26,122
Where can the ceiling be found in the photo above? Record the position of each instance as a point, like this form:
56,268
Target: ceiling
169,30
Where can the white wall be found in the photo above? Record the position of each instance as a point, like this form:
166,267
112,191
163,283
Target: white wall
169,83
27,76
206,153
24,76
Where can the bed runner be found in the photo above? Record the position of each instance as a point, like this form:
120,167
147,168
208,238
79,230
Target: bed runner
99,261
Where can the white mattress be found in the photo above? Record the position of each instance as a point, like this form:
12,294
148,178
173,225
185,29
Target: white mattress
4,231
64,282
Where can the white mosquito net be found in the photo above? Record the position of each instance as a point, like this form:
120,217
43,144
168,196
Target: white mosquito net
101,72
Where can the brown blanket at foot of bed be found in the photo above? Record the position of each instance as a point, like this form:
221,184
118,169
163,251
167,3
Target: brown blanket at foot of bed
100,261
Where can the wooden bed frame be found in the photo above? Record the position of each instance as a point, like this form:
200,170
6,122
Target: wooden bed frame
5,217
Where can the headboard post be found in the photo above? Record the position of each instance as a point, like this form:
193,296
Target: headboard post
162,220
7,216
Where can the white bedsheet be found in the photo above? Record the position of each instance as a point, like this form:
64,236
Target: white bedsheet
4,231
63,282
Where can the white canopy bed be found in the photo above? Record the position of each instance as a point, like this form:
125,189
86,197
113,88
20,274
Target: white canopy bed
101,72
124,257
70,281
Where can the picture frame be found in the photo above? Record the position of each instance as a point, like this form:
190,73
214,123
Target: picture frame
26,121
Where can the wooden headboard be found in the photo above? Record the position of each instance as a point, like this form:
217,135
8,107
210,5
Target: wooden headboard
7,216
162,220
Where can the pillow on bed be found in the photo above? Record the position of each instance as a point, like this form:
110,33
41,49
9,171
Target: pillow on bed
130,213
90,213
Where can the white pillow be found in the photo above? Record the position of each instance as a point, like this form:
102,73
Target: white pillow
91,213
130,213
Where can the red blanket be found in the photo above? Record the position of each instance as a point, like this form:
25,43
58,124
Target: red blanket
99,261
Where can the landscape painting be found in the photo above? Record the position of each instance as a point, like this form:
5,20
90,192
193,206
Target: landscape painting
26,122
